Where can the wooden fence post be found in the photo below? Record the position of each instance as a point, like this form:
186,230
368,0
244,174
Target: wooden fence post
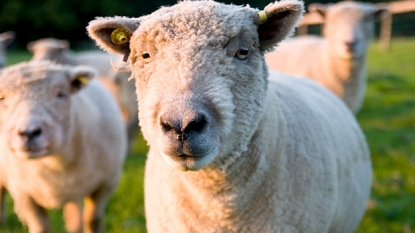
385,31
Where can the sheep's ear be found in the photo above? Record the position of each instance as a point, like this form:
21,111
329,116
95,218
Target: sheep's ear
113,34
277,21
7,37
319,8
80,76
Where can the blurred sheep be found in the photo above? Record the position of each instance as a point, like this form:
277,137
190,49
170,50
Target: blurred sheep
337,60
117,82
62,141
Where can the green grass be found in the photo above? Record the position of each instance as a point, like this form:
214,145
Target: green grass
387,118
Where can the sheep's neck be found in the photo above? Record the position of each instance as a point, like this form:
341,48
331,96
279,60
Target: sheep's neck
348,77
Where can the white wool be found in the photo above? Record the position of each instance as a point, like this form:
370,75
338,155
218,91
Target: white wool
337,60
232,149
62,141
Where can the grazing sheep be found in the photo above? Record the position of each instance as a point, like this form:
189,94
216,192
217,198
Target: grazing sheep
262,154
5,39
337,60
62,140
124,91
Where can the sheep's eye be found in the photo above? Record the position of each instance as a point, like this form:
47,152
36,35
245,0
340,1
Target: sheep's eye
61,95
145,55
242,53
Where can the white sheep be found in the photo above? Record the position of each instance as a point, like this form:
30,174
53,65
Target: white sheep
117,82
5,39
60,52
337,60
62,141
277,154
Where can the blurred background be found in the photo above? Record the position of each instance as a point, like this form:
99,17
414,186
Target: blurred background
63,19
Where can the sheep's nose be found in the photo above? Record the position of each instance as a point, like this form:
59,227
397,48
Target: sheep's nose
30,133
181,128
350,45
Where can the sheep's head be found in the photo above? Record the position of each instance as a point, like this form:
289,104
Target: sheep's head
35,105
5,39
200,74
48,49
349,26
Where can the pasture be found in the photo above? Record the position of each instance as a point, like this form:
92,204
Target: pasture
387,118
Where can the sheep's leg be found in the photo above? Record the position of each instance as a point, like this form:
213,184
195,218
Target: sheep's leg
73,217
31,214
94,208
2,206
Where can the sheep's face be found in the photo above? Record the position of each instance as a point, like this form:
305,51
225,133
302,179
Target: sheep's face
35,107
48,49
349,27
201,78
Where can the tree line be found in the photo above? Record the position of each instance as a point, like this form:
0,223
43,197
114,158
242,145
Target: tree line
63,19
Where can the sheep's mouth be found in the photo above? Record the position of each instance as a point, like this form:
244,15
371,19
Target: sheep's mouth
30,153
192,162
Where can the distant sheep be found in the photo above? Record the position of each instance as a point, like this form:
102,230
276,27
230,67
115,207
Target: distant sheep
59,51
262,153
337,61
62,140
124,91
6,39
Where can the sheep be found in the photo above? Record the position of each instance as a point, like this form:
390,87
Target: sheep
59,51
5,39
337,60
233,148
124,91
62,140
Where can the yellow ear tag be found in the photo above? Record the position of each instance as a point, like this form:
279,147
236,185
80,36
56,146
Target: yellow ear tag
262,16
82,79
120,36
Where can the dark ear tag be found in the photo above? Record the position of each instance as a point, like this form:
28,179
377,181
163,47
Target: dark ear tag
79,82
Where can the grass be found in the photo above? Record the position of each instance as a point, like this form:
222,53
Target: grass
387,118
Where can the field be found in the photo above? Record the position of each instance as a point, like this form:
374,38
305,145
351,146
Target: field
387,118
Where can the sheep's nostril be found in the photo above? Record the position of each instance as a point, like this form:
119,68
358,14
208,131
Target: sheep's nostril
196,125
351,45
182,128
166,127
30,133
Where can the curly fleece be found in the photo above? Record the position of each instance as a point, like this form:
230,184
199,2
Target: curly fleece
272,155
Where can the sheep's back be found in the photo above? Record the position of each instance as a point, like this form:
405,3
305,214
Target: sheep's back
299,56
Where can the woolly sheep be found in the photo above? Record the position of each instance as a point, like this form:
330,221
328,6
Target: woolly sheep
117,82
337,60
61,140
59,51
262,154
5,39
